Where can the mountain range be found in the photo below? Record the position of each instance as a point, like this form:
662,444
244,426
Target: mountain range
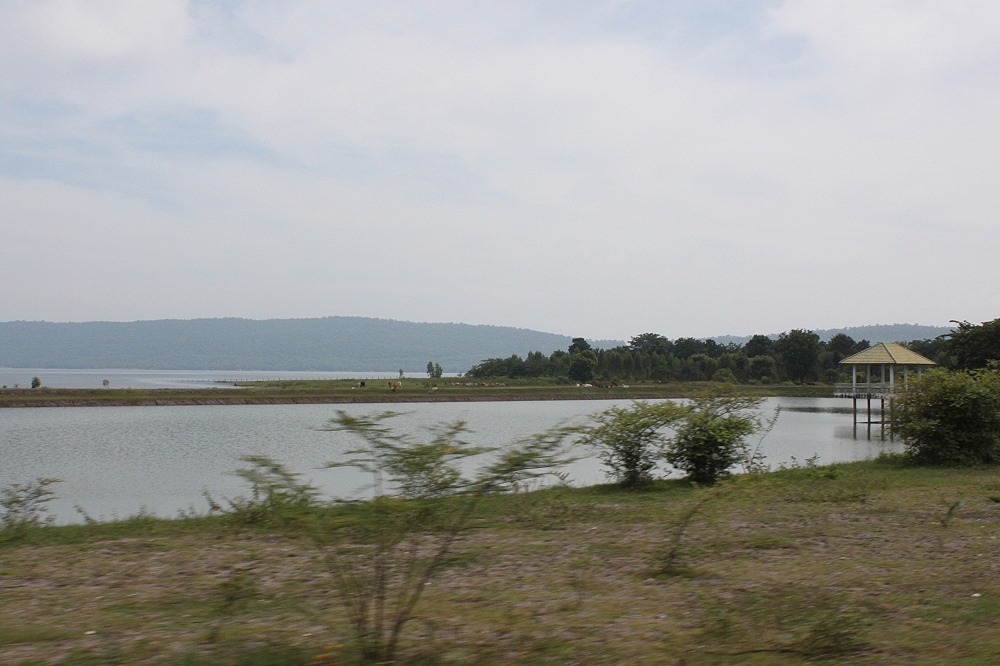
326,343
873,334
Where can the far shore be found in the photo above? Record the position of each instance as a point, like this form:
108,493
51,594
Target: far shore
349,392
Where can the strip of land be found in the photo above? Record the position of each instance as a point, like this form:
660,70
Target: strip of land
350,391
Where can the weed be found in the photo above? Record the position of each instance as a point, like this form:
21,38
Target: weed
807,622
25,507
382,553
949,515
541,507
87,518
810,463
235,594
277,496
668,562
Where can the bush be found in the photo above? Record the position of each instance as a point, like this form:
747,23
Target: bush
708,438
712,438
629,440
950,418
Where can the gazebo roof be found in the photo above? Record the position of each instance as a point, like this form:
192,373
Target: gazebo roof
887,353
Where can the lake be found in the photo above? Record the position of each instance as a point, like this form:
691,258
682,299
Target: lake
146,379
116,461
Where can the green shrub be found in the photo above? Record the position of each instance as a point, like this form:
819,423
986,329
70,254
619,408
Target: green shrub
950,418
712,437
629,440
704,438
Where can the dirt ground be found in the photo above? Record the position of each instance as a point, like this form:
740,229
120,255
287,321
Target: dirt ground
861,567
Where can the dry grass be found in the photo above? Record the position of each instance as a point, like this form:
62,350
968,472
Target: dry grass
865,563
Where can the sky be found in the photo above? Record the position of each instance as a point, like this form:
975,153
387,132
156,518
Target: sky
583,167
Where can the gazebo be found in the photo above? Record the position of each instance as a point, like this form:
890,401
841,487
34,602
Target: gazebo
886,358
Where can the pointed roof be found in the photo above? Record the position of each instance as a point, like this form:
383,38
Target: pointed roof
887,353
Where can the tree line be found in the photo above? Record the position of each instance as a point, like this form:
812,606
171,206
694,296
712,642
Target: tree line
798,356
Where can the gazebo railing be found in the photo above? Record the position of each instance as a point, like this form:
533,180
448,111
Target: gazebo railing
862,390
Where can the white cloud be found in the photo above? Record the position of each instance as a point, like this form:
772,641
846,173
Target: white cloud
595,168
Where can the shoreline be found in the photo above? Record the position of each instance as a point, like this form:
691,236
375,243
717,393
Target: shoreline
295,400
49,397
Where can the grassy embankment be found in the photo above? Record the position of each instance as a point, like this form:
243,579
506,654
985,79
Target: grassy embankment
346,391
864,563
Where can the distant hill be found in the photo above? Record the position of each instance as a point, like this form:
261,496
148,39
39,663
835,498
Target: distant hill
873,334
327,343
887,332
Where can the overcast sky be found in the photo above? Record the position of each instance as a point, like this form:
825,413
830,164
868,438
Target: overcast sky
589,168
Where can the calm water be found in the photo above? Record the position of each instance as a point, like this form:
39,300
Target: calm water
116,461
117,378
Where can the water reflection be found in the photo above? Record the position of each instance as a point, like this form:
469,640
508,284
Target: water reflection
818,409
874,430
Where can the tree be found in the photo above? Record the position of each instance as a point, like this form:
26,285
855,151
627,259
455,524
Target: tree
35,382
685,348
434,370
762,369
974,346
724,375
799,352
936,349
578,345
629,440
842,346
759,345
499,367
650,343
536,364
711,439
582,366
950,417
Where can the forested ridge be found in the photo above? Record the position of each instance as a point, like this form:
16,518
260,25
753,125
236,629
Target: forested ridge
798,356
328,343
